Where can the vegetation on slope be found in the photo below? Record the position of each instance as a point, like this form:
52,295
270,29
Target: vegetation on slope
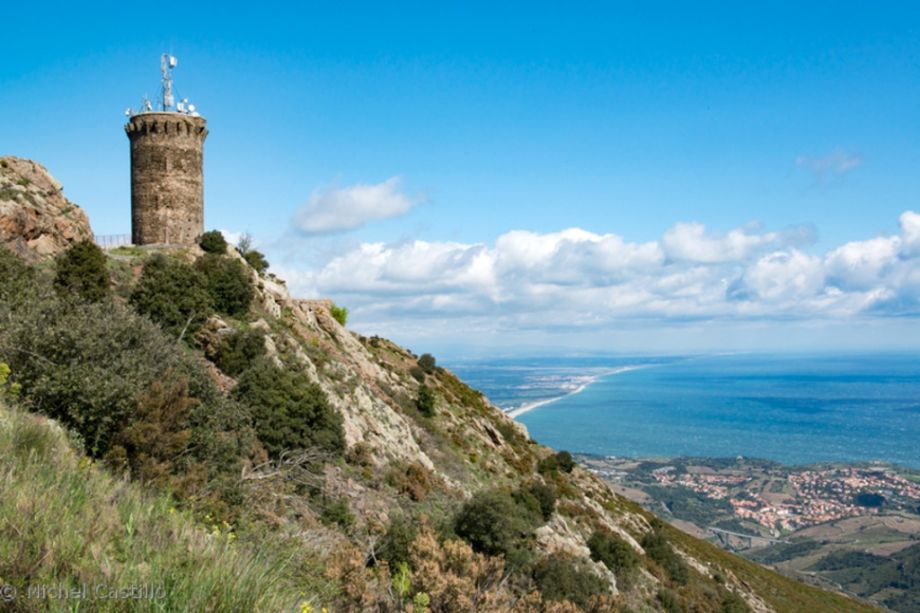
68,526
404,485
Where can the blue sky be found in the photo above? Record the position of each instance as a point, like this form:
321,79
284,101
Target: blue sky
386,153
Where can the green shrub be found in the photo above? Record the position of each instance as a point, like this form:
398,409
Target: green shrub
256,260
100,370
417,373
545,495
173,294
336,511
560,577
17,280
213,241
86,365
427,363
425,401
670,601
288,411
615,553
82,274
395,546
340,314
562,461
239,351
494,523
228,283
657,548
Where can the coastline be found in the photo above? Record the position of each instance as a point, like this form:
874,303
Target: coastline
514,413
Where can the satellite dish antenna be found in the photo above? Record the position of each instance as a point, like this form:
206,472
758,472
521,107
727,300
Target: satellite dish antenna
127,112
191,108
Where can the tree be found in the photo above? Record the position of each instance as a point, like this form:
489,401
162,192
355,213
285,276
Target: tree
254,258
427,363
213,241
288,411
82,274
228,283
425,401
173,294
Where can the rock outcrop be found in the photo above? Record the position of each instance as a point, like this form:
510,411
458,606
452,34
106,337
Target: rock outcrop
36,220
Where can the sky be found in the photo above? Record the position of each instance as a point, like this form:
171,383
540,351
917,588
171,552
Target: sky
478,179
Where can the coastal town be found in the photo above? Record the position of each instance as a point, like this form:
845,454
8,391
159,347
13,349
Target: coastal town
776,499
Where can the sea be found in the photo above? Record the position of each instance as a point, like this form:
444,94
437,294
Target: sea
793,409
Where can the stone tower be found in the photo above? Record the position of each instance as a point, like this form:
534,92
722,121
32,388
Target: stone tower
167,181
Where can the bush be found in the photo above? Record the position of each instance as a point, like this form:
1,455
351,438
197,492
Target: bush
670,601
336,511
545,495
615,553
17,280
65,522
412,479
657,548
239,351
559,577
395,546
82,274
340,314
228,283
495,524
417,373
427,363
173,294
425,401
99,370
288,411
213,241
256,260
87,365
562,461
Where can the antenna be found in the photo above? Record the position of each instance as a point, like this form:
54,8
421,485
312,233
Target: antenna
167,101
167,63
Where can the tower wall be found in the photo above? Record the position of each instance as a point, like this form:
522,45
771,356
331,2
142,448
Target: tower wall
167,181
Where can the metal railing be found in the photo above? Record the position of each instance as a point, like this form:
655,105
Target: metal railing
110,241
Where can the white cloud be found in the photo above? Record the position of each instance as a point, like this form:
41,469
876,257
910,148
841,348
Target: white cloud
338,209
689,241
836,163
910,233
579,279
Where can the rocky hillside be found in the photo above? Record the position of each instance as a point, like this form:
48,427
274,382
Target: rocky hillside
395,485
35,218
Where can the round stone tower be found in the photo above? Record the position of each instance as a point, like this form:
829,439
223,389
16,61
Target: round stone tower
167,182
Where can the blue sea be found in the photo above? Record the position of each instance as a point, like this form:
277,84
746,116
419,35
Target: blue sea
797,409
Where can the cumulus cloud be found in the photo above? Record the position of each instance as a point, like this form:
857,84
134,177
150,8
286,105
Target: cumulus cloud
836,163
576,278
338,209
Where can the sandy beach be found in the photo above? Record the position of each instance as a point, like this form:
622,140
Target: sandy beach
533,405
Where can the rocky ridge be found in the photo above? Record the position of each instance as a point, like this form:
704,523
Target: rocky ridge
36,220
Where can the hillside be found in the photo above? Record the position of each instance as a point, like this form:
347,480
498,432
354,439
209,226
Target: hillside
387,482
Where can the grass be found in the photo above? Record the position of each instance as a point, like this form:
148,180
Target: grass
66,523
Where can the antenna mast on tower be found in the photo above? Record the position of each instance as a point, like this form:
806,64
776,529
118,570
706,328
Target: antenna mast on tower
167,63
